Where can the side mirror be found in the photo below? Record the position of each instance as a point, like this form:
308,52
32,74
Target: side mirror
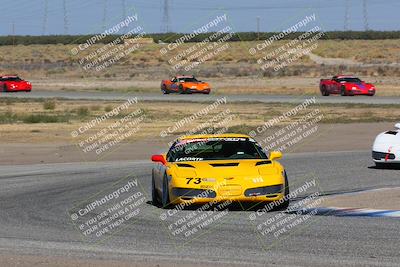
274,155
159,158
397,125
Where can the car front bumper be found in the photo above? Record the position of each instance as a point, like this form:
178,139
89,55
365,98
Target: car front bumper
385,157
195,196
361,92
200,91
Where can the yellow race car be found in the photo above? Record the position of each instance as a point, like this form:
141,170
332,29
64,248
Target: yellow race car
215,168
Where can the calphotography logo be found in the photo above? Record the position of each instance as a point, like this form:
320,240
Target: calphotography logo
189,120
210,40
108,131
182,221
113,30
109,211
277,53
292,127
283,223
101,51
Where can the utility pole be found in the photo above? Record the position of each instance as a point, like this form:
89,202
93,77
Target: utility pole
165,27
123,9
365,9
123,3
13,32
347,15
65,17
258,27
46,10
104,22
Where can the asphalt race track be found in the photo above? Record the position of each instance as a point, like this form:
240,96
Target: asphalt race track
375,100
35,199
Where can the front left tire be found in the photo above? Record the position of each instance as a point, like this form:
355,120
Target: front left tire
165,200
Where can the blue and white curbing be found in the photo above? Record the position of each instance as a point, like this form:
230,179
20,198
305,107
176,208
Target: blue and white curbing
342,212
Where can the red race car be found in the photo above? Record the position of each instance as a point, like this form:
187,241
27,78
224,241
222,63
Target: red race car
184,85
346,85
13,83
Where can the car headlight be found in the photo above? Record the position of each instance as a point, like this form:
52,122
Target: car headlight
353,88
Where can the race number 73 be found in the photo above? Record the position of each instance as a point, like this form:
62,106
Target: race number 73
193,180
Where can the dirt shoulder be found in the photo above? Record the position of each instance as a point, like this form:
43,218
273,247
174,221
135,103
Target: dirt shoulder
371,199
49,261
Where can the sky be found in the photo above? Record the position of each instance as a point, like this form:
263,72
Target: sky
29,17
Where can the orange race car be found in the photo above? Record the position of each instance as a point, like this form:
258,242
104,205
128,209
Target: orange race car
184,85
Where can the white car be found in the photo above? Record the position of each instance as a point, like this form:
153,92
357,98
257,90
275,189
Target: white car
386,148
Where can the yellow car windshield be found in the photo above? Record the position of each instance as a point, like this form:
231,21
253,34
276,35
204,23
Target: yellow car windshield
215,149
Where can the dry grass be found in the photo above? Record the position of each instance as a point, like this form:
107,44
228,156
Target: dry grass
233,71
371,51
57,61
365,51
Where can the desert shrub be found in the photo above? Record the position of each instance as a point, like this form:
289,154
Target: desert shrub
8,117
83,111
44,118
108,108
95,107
49,104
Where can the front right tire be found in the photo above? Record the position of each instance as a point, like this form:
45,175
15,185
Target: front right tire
164,90
286,202
343,91
324,91
380,165
155,200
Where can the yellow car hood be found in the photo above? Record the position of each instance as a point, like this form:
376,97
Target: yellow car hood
225,168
